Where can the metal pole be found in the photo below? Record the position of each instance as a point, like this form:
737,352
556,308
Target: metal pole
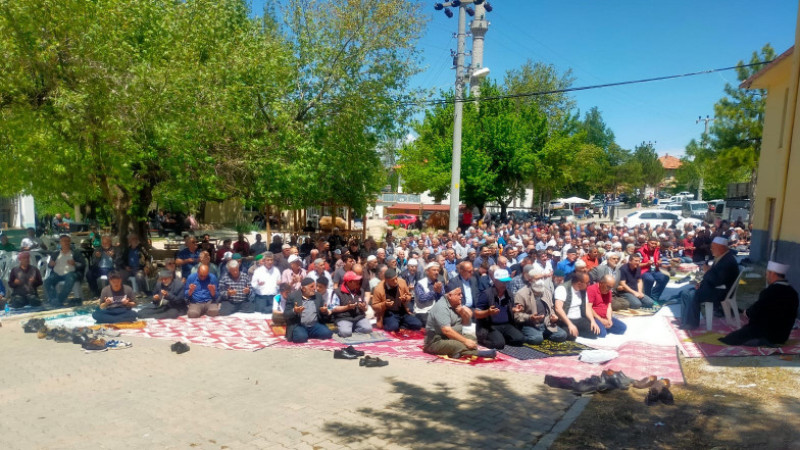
455,176
701,183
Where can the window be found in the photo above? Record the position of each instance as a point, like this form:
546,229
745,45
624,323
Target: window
649,215
668,216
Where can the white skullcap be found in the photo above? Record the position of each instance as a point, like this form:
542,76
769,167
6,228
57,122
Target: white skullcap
412,262
293,258
536,272
779,268
371,258
580,263
720,240
662,236
431,264
616,245
585,241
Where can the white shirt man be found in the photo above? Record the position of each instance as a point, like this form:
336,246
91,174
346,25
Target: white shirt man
265,280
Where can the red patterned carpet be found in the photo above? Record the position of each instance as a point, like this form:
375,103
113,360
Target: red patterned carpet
703,344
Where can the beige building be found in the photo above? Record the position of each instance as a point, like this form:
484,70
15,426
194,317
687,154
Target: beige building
776,216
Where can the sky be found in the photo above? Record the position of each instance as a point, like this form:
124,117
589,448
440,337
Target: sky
620,40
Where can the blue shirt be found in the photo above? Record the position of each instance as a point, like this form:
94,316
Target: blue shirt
133,258
466,290
201,293
566,266
502,303
186,269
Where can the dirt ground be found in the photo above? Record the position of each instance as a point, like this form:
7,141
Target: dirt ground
726,403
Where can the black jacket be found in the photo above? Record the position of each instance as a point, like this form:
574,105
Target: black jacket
773,315
292,319
723,272
473,284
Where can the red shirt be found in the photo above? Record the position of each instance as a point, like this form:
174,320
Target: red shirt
688,247
600,302
591,263
648,257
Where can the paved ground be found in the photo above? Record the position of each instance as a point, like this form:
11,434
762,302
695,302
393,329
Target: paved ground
55,396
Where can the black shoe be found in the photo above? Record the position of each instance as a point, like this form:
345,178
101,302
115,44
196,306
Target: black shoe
33,325
352,350
343,354
659,392
587,386
179,347
560,382
616,379
372,362
94,345
61,335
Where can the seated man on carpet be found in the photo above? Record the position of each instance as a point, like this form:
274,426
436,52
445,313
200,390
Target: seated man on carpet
168,298
102,263
716,283
599,296
573,309
304,313
772,317
201,293
23,281
349,307
234,291
443,332
631,285
390,300
494,315
116,302
537,318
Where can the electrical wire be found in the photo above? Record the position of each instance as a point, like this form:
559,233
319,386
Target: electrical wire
580,88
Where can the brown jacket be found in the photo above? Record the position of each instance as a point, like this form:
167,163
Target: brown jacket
379,299
527,299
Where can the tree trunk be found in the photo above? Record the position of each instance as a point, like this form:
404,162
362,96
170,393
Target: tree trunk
269,229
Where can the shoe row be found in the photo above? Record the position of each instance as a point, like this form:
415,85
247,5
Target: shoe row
90,340
366,361
608,380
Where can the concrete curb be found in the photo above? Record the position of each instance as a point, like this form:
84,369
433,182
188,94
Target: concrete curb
562,425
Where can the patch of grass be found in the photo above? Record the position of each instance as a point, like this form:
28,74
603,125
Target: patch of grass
727,403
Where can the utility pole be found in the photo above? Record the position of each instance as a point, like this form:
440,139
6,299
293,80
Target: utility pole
458,107
701,183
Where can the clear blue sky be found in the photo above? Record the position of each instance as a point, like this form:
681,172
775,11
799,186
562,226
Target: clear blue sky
619,40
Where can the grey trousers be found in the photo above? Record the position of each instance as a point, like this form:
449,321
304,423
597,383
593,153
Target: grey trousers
347,327
440,345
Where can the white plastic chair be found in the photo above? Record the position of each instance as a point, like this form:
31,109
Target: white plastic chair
728,305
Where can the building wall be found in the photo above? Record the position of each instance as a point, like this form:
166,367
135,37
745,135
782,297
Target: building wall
224,213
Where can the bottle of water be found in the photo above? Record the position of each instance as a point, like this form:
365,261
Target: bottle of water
7,310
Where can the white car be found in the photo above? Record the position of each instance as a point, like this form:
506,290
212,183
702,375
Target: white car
687,194
653,217
675,207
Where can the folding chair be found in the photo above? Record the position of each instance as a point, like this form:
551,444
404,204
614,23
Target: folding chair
728,305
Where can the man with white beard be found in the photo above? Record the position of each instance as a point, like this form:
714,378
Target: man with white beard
537,319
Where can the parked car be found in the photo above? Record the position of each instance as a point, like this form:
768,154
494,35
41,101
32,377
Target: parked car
649,216
562,214
687,194
555,204
401,220
519,215
674,207
697,209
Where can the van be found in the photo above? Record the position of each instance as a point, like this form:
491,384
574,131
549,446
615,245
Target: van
697,209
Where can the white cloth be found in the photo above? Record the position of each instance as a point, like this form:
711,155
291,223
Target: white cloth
265,282
597,356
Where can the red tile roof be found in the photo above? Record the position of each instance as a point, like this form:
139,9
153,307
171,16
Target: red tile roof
670,162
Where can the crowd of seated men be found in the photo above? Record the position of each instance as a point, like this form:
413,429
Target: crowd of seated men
516,283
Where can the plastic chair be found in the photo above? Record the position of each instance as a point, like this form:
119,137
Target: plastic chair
728,306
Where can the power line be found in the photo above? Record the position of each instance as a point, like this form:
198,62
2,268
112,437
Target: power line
581,88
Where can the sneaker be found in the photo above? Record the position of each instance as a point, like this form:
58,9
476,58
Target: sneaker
118,345
645,382
95,345
33,325
343,354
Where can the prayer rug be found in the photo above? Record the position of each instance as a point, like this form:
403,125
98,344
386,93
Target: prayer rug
277,330
469,360
523,353
566,348
700,343
230,333
121,325
362,338
407,335
638,312
636,359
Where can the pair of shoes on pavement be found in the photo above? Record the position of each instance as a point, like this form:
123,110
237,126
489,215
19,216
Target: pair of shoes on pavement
366,361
